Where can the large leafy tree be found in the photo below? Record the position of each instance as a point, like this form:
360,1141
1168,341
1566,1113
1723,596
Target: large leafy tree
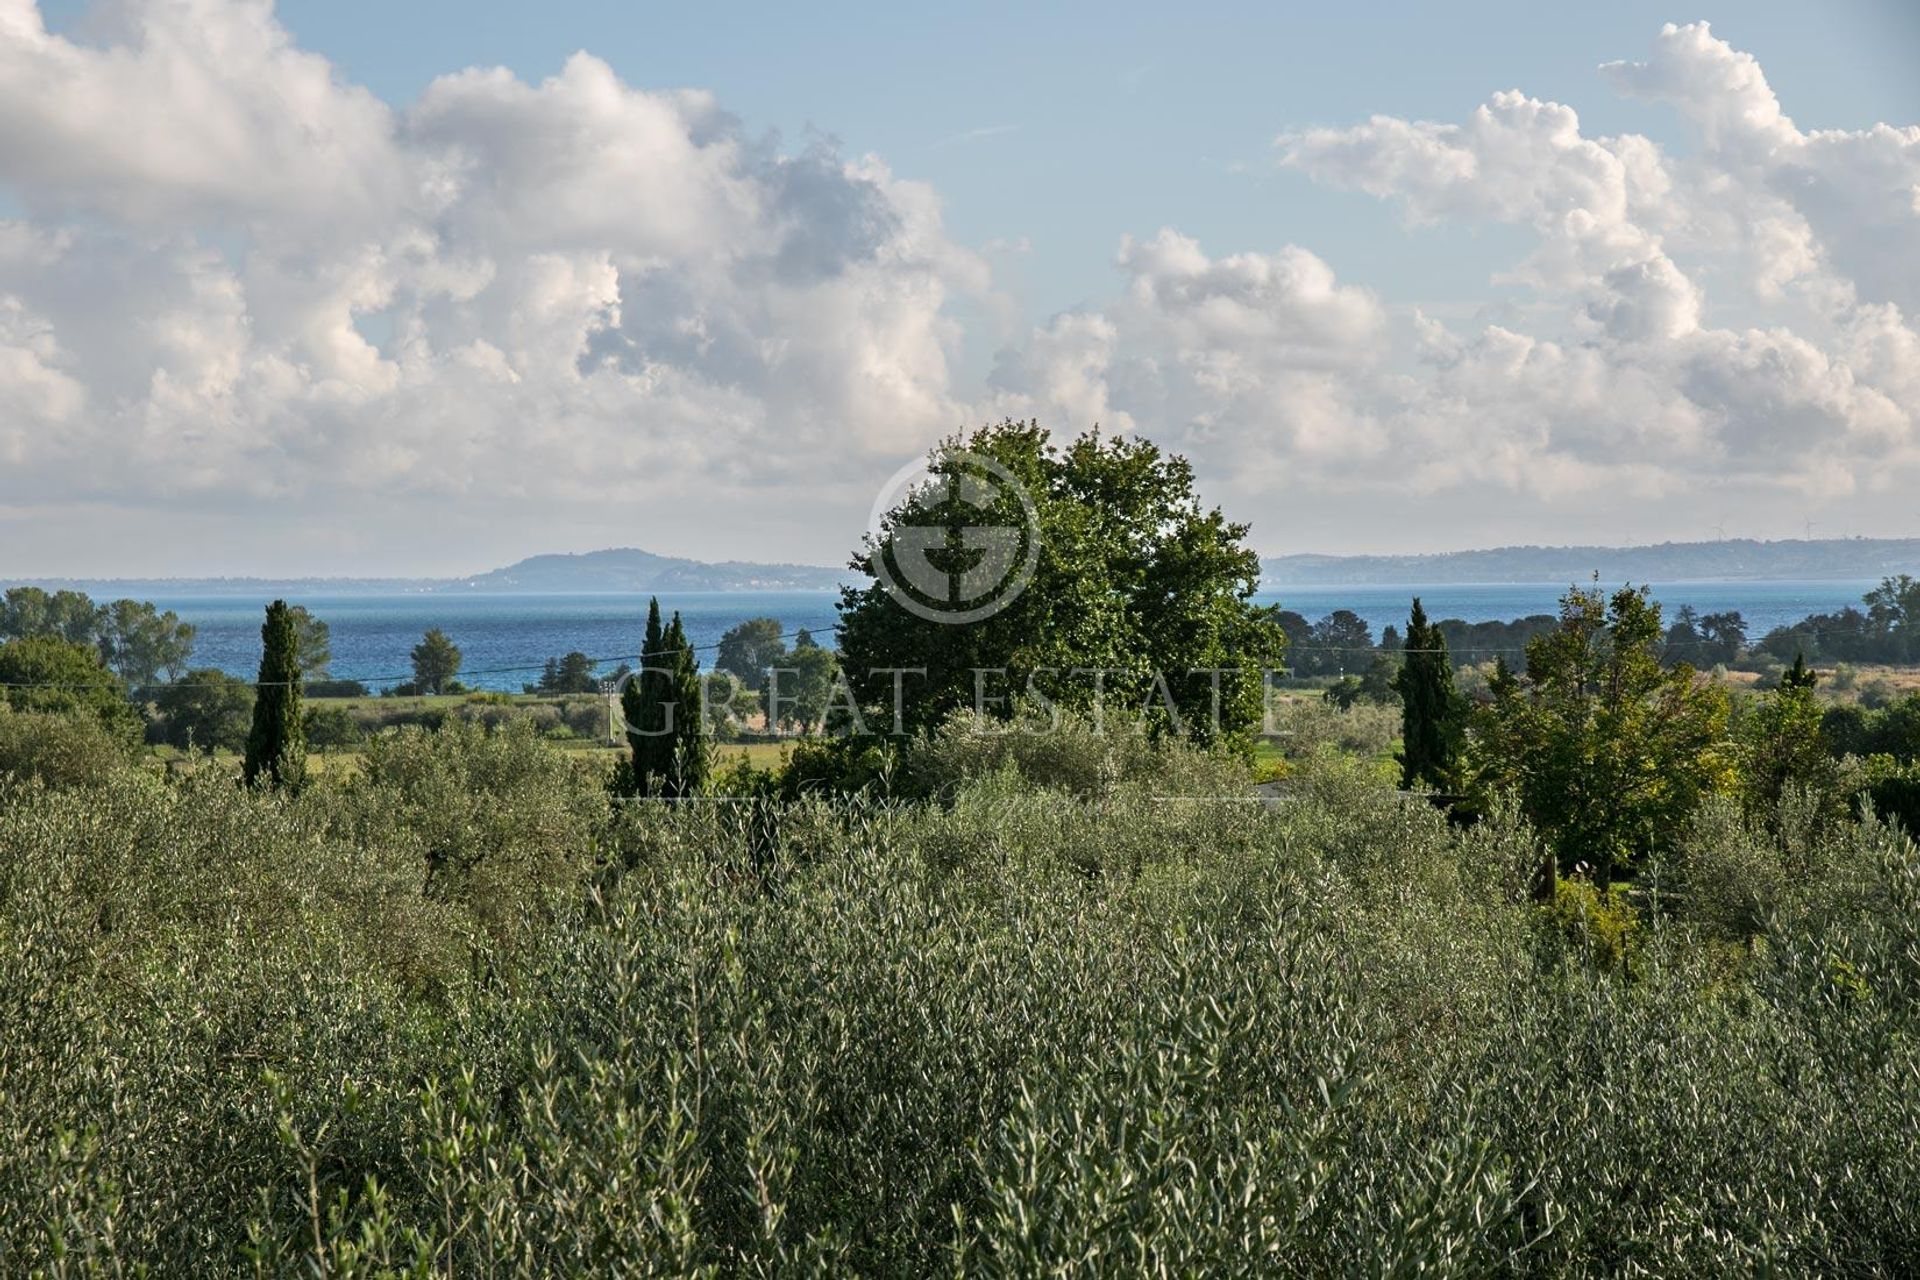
807,679
1781,745
1608,752
141,643
751,649
47,673
316,643
277,743
1893,610
207,708
133,637
1432,713
570,674
1339,643
436,661
1135,579
67,615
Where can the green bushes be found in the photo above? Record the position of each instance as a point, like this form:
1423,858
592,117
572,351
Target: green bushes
462,1016
59,749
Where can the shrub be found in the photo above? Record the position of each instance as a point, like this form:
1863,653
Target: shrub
1069,753
1601,926
458,1016
44,673
1305,727
73,749
332,728
335,689
498,819
205,708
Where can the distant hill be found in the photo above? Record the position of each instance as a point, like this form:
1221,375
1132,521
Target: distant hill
622,569
630,569
1736,558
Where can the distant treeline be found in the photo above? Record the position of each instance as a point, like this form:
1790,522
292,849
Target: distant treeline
1886,631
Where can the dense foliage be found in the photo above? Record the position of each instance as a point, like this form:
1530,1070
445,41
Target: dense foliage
665,707
65,677
1608,752
1140,594
132,637
1433,715
436,661
1082,1011
276,753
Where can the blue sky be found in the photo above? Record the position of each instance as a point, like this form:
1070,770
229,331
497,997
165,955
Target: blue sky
483,315
1069,126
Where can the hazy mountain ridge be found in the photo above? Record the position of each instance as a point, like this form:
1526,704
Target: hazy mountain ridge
631,569
1735,558
618,569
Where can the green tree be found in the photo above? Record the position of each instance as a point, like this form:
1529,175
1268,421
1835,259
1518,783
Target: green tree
1608,753
570,674
436,661
133,637
40,672
65,615
316,643
1432,713
208,709
1893,611
750,649
140,642
1337,644
806,679
277,743
1723,638
331,728
1134,579
691,761
1781,744
646,704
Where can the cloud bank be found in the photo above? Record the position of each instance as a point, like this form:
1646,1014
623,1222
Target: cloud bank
1738,318
235,284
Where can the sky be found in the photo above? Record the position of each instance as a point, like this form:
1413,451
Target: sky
343,288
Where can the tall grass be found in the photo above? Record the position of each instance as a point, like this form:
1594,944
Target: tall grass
461,1016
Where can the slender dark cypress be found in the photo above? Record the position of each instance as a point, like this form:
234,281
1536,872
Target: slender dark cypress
277,742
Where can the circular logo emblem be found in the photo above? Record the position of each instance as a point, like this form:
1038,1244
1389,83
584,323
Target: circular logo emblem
964,538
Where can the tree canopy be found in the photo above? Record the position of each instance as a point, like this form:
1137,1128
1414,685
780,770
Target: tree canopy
50,674
132,637
1431,712
1607,751
207,709
436,661
1140,595
277,744
750,649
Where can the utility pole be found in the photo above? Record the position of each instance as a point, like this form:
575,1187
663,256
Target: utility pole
607,689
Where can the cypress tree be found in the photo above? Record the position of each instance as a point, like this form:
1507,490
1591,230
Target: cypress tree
644,704
689,761
1430,709
277,742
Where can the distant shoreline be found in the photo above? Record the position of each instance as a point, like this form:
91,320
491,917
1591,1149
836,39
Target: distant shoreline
629,570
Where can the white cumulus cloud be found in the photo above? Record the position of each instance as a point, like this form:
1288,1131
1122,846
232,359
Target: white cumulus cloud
245,296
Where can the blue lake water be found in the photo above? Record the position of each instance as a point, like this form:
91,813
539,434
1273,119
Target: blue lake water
504,639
